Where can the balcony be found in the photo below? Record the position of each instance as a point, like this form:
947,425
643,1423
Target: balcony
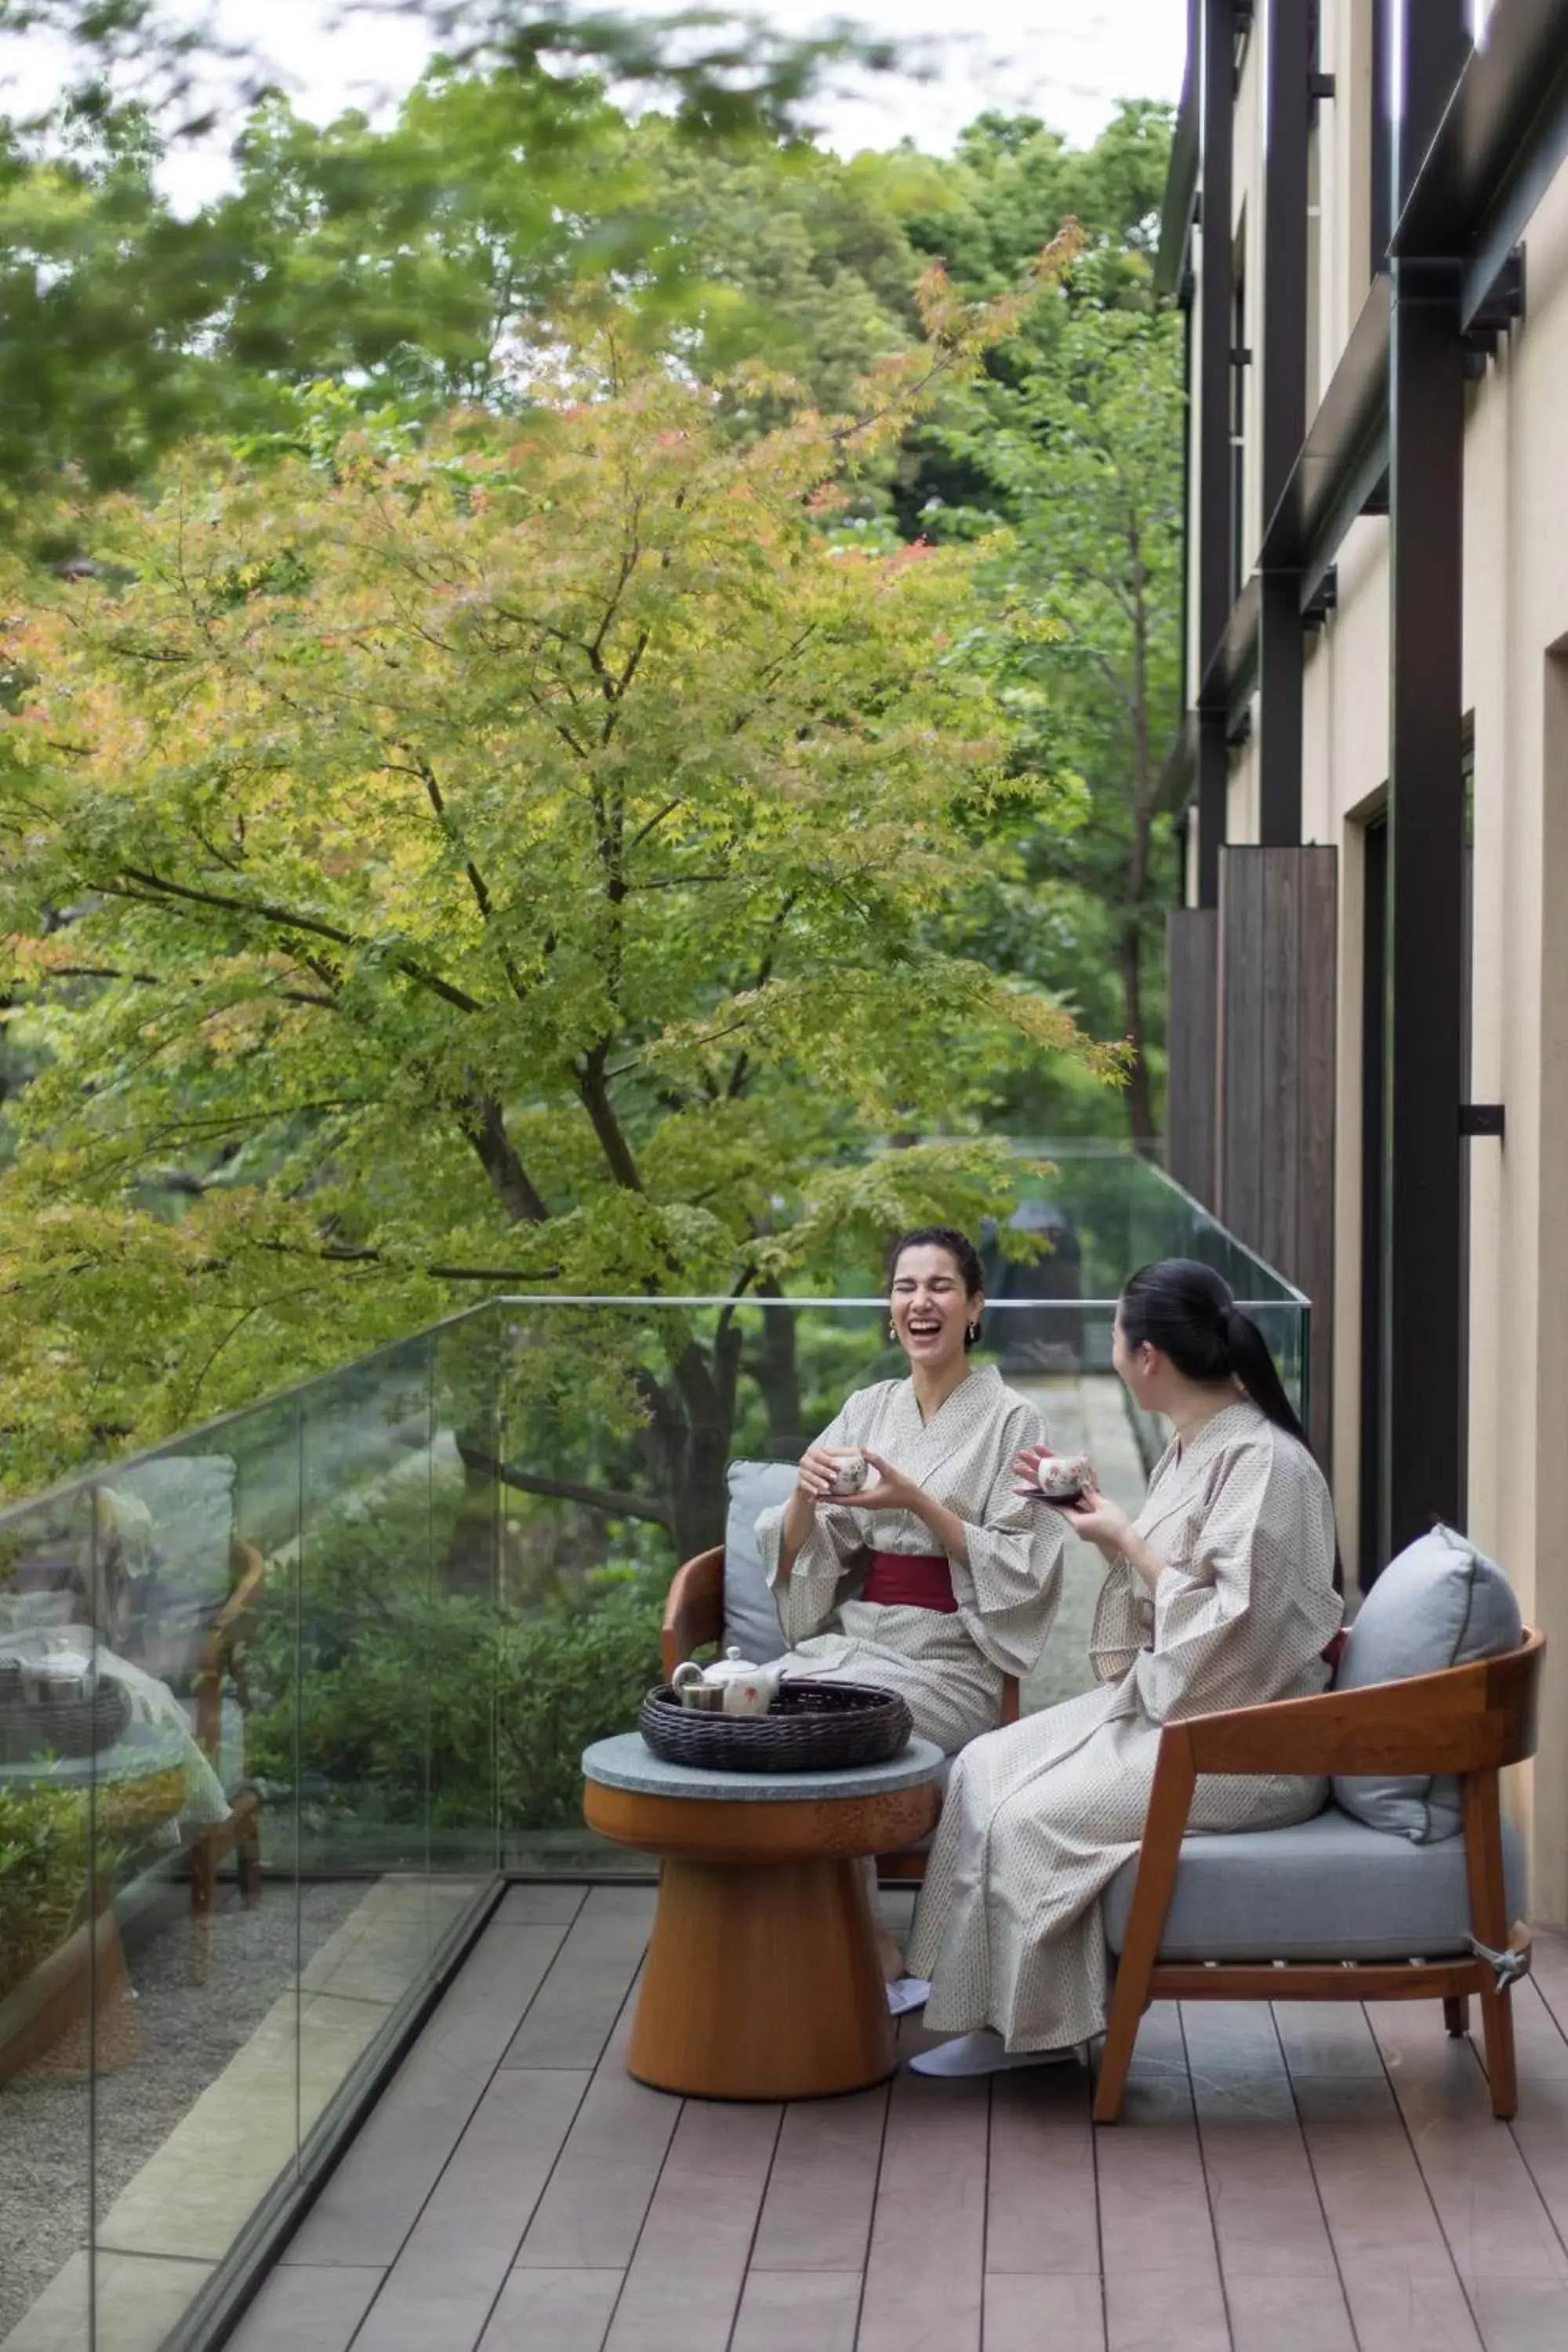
1303,2178
311,1979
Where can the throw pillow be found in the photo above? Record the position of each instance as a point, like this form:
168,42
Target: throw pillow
1441,1603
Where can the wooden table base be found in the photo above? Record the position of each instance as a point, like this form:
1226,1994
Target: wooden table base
762,1982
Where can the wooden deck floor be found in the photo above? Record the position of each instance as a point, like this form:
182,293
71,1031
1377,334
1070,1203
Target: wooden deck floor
1301,2180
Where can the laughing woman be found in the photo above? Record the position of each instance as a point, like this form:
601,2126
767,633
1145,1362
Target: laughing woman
935,1580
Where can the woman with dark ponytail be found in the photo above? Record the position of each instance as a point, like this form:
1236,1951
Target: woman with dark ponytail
1223,1592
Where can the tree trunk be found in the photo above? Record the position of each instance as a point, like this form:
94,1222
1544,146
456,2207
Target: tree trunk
774,1366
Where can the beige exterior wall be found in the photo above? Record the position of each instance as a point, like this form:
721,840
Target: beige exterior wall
1345,167
1246,224
1516,685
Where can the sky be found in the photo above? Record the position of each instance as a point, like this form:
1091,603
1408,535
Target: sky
1067,64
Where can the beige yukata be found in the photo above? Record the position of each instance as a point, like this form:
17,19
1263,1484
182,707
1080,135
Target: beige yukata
1040,1817
949,1667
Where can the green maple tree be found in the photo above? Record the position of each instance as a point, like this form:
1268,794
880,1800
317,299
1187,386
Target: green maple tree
509,856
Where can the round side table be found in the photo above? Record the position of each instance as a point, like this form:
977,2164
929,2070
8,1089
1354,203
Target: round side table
761,1979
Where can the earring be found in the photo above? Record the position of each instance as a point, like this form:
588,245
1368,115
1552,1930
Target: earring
893,1329
972,1332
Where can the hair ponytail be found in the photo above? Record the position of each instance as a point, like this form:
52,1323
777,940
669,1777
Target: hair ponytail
1188,1312
1252,1362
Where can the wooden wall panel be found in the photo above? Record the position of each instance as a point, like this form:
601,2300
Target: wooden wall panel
1274,1176
1192,954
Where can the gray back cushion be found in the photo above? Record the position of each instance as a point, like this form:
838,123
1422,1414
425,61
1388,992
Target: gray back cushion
1441,1603
751,1618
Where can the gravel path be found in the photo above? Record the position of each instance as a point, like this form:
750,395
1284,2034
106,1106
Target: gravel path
189,2028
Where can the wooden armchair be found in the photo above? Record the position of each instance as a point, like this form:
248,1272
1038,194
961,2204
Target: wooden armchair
223,1659
694,1614
1471,1721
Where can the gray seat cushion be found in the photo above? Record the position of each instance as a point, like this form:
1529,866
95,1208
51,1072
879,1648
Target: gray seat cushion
751,1619
1441,1603
1327,1889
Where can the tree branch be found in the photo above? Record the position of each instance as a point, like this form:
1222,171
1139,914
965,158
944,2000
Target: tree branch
285,919
611,1500
484,1126
594,1093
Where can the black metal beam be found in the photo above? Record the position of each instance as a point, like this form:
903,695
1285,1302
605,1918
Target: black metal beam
1213,795
1288,106
1280,656
1182,172
1382,192
1352,416
1231,672
1178,775
1437,46
1217,104
1423,1361
1287,119
1503,138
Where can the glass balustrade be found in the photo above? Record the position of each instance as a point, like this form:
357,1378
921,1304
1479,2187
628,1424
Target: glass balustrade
282,1700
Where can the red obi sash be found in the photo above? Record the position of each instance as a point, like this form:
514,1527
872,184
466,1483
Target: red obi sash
911,1580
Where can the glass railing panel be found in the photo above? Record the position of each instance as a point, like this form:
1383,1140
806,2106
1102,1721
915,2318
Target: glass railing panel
196,2117
364,1705
461,1646
57,1951
1108,1212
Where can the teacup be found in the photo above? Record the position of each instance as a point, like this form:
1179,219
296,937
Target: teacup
1063,1476
851,1471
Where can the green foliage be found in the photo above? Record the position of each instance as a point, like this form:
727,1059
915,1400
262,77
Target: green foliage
47,1862
448,1708
556,840
387,1695
1082,643
561,798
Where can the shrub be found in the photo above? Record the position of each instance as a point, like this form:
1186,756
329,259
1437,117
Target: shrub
442,1703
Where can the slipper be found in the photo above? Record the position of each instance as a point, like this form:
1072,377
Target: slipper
984,2053
905,1994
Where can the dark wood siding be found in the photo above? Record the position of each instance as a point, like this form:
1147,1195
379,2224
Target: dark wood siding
1275,1171
1192,954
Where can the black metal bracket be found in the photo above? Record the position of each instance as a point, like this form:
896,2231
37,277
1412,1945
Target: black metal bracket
1502,308
1324,600
1319,87
1481,1119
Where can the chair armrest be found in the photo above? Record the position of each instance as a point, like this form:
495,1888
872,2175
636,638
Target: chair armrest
223,1641
694,1607
1473,1718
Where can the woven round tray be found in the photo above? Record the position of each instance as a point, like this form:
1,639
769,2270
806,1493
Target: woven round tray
77,1725
810,1727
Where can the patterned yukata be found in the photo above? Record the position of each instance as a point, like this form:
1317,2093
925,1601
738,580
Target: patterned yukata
949,1667
1039,1818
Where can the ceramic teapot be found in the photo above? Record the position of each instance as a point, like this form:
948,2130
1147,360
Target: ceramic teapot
731,1686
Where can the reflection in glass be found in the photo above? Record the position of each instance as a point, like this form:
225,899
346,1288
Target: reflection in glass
58,1953
195,1590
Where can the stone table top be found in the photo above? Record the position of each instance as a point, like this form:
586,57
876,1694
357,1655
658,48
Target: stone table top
627,1761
